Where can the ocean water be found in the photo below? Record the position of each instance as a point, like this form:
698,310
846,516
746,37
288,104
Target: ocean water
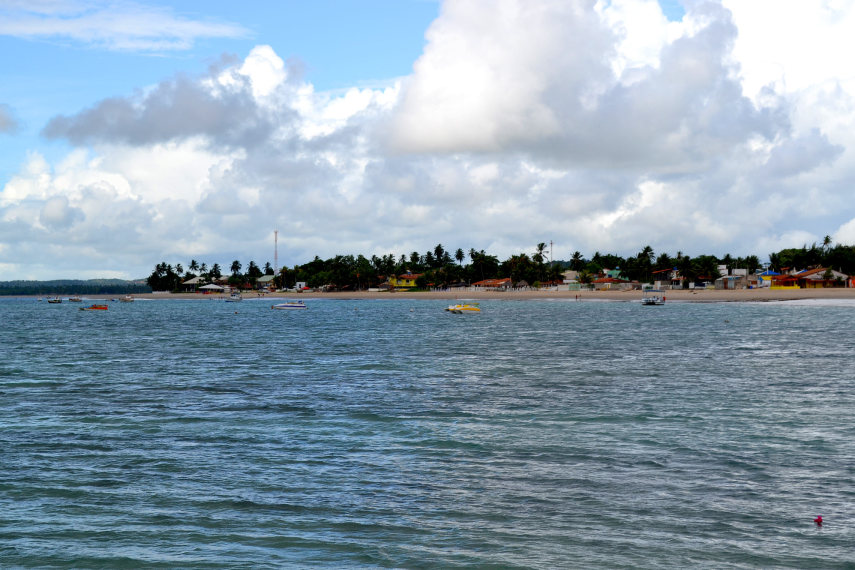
389,433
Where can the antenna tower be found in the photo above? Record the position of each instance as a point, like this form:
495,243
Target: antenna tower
275,252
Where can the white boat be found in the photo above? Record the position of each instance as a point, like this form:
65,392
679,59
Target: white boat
290,305
75,300
461,308
234,298
54,300
653,297
127,299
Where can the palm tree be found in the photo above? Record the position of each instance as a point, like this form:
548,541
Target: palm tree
539,258
194,265
687,270
438,253
774,261
648,253
459,256
253,270
477,260
236,267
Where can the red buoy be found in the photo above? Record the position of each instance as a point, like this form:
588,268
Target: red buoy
818,520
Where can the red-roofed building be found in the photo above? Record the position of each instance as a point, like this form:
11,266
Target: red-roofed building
405,281
497,284
611,283
665,278
821,277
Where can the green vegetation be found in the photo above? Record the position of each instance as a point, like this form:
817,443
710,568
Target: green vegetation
73,287
440,268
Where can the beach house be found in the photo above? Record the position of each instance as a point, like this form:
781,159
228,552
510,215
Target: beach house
667,279
821,277
494,284
265,283
405,281
192,284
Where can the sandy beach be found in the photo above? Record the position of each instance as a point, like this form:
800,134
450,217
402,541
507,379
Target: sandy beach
697,296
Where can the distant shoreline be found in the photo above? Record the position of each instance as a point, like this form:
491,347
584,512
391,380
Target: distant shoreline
696,296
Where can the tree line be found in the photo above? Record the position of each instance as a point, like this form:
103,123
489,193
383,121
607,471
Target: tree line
440,268
73,287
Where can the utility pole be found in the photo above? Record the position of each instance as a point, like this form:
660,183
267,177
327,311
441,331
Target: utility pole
275,252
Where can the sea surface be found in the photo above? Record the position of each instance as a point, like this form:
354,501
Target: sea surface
392,434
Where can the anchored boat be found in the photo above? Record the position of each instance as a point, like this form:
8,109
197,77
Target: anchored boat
461,308
652,297
290,305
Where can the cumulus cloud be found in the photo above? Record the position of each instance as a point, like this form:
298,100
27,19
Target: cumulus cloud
111,24
228,108
176,109
596,125
801,154
57,214
556,93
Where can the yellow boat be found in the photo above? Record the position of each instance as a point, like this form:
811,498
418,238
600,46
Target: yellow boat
461,308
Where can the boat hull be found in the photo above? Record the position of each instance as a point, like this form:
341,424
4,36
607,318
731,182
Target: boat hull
289,306
463,308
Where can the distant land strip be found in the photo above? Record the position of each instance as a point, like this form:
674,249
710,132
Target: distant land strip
73,287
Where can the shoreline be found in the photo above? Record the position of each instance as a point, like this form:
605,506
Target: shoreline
677,295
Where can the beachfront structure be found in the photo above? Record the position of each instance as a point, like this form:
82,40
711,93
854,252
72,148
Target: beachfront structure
821,277
613,284
731,282
667,279
265,282
192,284
405,281
765,279
494,284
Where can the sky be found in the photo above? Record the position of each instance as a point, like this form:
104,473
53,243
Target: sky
135,132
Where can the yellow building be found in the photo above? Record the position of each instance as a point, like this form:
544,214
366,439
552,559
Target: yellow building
405,281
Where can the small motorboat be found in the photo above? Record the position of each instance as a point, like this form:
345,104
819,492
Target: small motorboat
75,300
94,308
461,308
55,300
127,299
290,305
234,298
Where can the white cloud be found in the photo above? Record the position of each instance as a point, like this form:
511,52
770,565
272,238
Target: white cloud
487,73
112,24
793,45
596,125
